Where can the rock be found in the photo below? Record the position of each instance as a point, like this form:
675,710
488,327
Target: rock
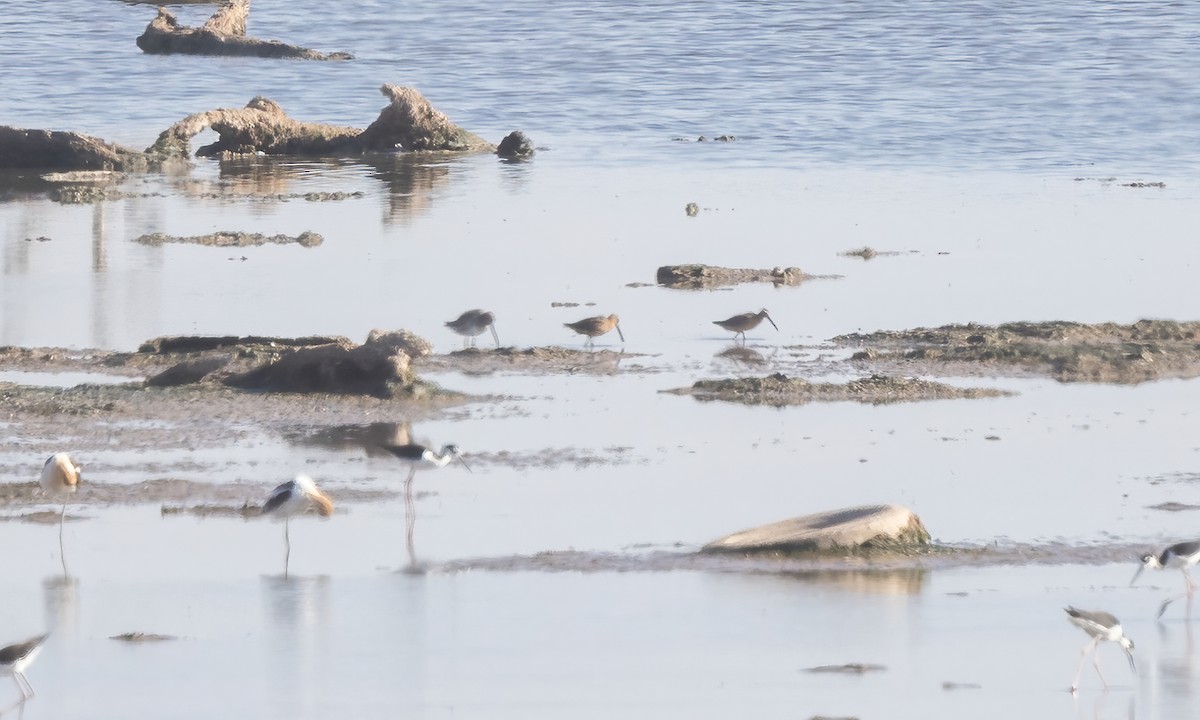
408,123
885,527
246,344
779,390
340,368
187,372
23,148
515,145
407,342
411,123
223,34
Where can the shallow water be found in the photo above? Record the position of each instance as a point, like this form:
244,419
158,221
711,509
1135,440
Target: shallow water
989,148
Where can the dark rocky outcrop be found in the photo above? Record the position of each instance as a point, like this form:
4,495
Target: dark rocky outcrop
515,146
223,34
779,390
230,238
410,122
24,148
340,368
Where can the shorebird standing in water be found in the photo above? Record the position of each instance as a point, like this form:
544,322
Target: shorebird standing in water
1102,627
473,323
594,327
417,457
18,656
1180,555
295,497
739,324
60,476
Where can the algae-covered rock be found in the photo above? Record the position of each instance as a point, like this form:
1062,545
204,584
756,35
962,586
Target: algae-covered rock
870,527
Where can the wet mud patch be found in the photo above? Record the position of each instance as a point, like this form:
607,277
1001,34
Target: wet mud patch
548,458
779,390
847,669
1066,351
174,496
142,637
884,571
544,360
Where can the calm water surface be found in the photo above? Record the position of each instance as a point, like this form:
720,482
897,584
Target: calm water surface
987,144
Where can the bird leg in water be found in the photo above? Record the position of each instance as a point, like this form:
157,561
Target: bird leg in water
62,554
287,547
1083,656
410,517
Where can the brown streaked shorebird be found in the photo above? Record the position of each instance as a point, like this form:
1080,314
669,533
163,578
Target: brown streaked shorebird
60,476
594,327
473,323
739,324
296,497
16,657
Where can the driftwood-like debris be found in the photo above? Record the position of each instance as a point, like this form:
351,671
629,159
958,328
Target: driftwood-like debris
409,123
223,34
779,390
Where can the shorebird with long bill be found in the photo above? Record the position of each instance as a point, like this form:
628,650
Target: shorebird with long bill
472,323
739,324
60,477
18,656
417,457
296,497
594,327
1103,627
1180,555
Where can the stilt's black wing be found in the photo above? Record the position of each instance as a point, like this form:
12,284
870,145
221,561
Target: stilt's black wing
278,496
406,452
16,651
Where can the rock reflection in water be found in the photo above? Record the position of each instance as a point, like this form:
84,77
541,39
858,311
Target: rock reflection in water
371,437
901,581
411,181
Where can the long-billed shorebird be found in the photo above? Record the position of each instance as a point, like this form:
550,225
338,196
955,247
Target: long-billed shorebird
16,657
296,497
1102,627
472,323
418,457
739,324
60,477
1180,555
594,327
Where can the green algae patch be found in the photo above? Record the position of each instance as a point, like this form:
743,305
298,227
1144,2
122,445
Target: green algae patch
1065,351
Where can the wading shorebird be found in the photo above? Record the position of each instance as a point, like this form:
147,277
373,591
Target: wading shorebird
1102,627
16,657
60,477
295,497
1180,555
418,457
594,327
473,323
739,324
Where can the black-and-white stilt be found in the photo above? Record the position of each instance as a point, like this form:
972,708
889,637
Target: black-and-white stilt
1101,626
417,457
472,323
296,497
60,477
16,657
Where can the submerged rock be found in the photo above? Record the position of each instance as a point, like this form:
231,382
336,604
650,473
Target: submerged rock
515,145
230,238
336,368
410,122
708,276
223,34
779,390
870,527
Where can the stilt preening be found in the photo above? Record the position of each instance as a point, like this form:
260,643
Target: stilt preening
1102,627
472,323
417,457
60,477
594,327
739,324
296,497
18,656
1180,555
